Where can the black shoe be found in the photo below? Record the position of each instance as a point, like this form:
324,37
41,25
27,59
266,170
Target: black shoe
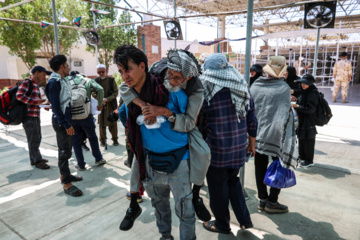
305,164
201,211
129,219
84,147
102,143
126,163
116,143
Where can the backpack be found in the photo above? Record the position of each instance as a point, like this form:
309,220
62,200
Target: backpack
323,111
12,111
80,103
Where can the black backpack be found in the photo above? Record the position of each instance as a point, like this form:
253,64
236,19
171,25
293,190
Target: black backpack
12,111
323,111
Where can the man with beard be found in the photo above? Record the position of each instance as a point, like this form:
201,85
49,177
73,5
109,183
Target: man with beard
162,153
109,103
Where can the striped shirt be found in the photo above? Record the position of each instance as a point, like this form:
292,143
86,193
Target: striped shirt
32,99
226,137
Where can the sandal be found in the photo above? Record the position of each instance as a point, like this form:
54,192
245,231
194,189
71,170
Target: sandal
212,228
75,178
73,191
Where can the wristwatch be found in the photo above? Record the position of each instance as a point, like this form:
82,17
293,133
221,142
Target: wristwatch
172,118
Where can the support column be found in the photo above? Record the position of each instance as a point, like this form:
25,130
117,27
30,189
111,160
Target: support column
149,41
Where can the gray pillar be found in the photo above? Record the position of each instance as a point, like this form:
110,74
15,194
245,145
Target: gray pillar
55,27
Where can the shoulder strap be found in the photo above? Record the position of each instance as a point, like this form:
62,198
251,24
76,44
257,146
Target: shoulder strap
83,81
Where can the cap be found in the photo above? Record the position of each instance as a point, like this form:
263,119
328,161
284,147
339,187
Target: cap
101,66
343,54
257,68
216,61
307,79
40,69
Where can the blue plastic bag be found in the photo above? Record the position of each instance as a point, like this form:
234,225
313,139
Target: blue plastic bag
279,177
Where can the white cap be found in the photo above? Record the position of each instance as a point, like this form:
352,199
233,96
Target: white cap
101,66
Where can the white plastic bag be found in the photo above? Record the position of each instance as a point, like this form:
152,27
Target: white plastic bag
159,120
94,103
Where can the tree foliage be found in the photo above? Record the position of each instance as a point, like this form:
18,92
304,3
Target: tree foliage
25,40
113,37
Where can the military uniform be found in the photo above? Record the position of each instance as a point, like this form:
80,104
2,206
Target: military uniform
342,71
110,93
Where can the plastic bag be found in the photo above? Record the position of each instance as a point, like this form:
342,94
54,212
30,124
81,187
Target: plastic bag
279,177
159,120
93,106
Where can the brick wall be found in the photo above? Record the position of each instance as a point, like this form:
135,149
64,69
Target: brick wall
8,82
152,42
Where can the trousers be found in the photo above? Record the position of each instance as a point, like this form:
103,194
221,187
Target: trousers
32,129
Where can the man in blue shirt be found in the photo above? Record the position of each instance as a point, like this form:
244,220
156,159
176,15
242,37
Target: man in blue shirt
58,92
160,171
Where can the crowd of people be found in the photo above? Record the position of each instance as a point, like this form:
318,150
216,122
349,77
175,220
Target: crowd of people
185,121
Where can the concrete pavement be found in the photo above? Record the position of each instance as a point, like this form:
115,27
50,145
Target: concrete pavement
325,203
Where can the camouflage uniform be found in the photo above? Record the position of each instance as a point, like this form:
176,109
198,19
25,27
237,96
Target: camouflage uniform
342,71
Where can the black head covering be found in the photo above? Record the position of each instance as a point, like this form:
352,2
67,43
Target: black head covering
258,69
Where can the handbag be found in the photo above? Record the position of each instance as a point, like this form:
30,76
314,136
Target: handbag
279,177
166,162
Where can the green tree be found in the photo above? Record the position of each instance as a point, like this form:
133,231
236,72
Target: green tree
25,39
113,37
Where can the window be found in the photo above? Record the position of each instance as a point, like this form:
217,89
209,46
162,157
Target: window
77,63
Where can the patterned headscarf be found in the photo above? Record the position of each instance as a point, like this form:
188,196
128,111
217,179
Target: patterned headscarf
219,74
180,61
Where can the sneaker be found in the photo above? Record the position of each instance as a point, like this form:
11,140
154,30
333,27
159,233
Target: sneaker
33,164
102,143
275,207
115,143
100,162
84,147
170,238
128,222
139,198
262,204
42,165
201,211
126,163
305,164
80,168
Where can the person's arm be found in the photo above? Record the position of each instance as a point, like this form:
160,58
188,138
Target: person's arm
334,70
122,114
53,95
185,122
129,95
99,91
310,106
21,95
252,125
114,93
349,71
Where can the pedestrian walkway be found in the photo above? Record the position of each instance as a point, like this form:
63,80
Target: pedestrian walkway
325,203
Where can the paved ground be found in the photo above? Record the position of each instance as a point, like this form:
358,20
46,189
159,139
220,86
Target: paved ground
325,203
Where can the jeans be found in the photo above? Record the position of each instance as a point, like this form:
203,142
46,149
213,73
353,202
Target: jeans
224,187
261,165
86,126
64,151
158,186
33,135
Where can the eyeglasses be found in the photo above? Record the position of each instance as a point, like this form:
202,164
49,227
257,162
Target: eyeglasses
175,78
101,72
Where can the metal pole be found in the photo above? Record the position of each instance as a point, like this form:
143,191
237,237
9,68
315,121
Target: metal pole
96,48
55,27
174,17
248,39
247,70
316,52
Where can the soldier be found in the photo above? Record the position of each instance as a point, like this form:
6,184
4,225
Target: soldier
301,65
110,104
342,74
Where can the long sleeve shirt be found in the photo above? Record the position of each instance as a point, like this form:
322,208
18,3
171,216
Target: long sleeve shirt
226,137
52,91
32,100
342,70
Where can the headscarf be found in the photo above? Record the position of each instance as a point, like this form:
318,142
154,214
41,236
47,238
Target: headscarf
219,74
276,66
181,61
258,69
